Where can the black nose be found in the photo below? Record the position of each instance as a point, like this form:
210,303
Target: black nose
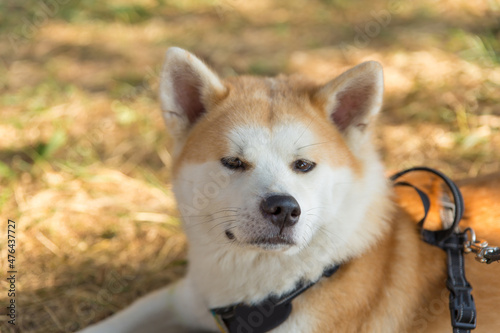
281,210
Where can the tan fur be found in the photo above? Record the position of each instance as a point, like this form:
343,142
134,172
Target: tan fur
253,101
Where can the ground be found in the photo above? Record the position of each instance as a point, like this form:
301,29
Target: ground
84,170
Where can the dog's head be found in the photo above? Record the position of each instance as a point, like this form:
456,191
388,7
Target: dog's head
268,164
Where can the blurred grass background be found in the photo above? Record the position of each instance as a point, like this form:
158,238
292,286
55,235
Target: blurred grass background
83,166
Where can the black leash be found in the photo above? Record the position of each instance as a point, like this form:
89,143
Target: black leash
462,306
264,316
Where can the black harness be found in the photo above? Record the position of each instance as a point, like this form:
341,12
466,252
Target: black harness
273,311
265,316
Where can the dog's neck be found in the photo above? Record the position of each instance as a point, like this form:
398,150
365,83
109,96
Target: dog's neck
227,274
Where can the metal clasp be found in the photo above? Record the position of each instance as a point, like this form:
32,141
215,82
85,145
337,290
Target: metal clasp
477,246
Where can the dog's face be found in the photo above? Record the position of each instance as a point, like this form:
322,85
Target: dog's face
267,163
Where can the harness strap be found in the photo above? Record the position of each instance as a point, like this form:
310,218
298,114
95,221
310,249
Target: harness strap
437,237
462,306
264,316
425,200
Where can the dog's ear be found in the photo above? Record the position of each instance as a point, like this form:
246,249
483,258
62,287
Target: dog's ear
188,88
353,99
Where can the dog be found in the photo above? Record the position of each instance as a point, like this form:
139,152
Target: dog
277,180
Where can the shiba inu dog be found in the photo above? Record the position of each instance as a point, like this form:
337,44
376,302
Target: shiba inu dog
277,180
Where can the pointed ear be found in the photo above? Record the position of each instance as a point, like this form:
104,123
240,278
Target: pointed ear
353,99
188,88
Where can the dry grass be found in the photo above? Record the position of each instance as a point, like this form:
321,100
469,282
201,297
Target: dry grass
83,164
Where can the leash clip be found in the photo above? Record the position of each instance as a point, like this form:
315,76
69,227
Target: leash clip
484,253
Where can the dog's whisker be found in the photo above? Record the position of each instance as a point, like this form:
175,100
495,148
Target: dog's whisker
221,223
301,134
193,225
314,208
229,209
334,238
315,144
209,220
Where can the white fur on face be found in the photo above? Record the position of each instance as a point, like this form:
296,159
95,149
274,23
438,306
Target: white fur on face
336,223
216,199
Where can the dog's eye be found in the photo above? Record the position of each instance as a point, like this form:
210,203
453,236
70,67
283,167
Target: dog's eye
303,165
233,163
